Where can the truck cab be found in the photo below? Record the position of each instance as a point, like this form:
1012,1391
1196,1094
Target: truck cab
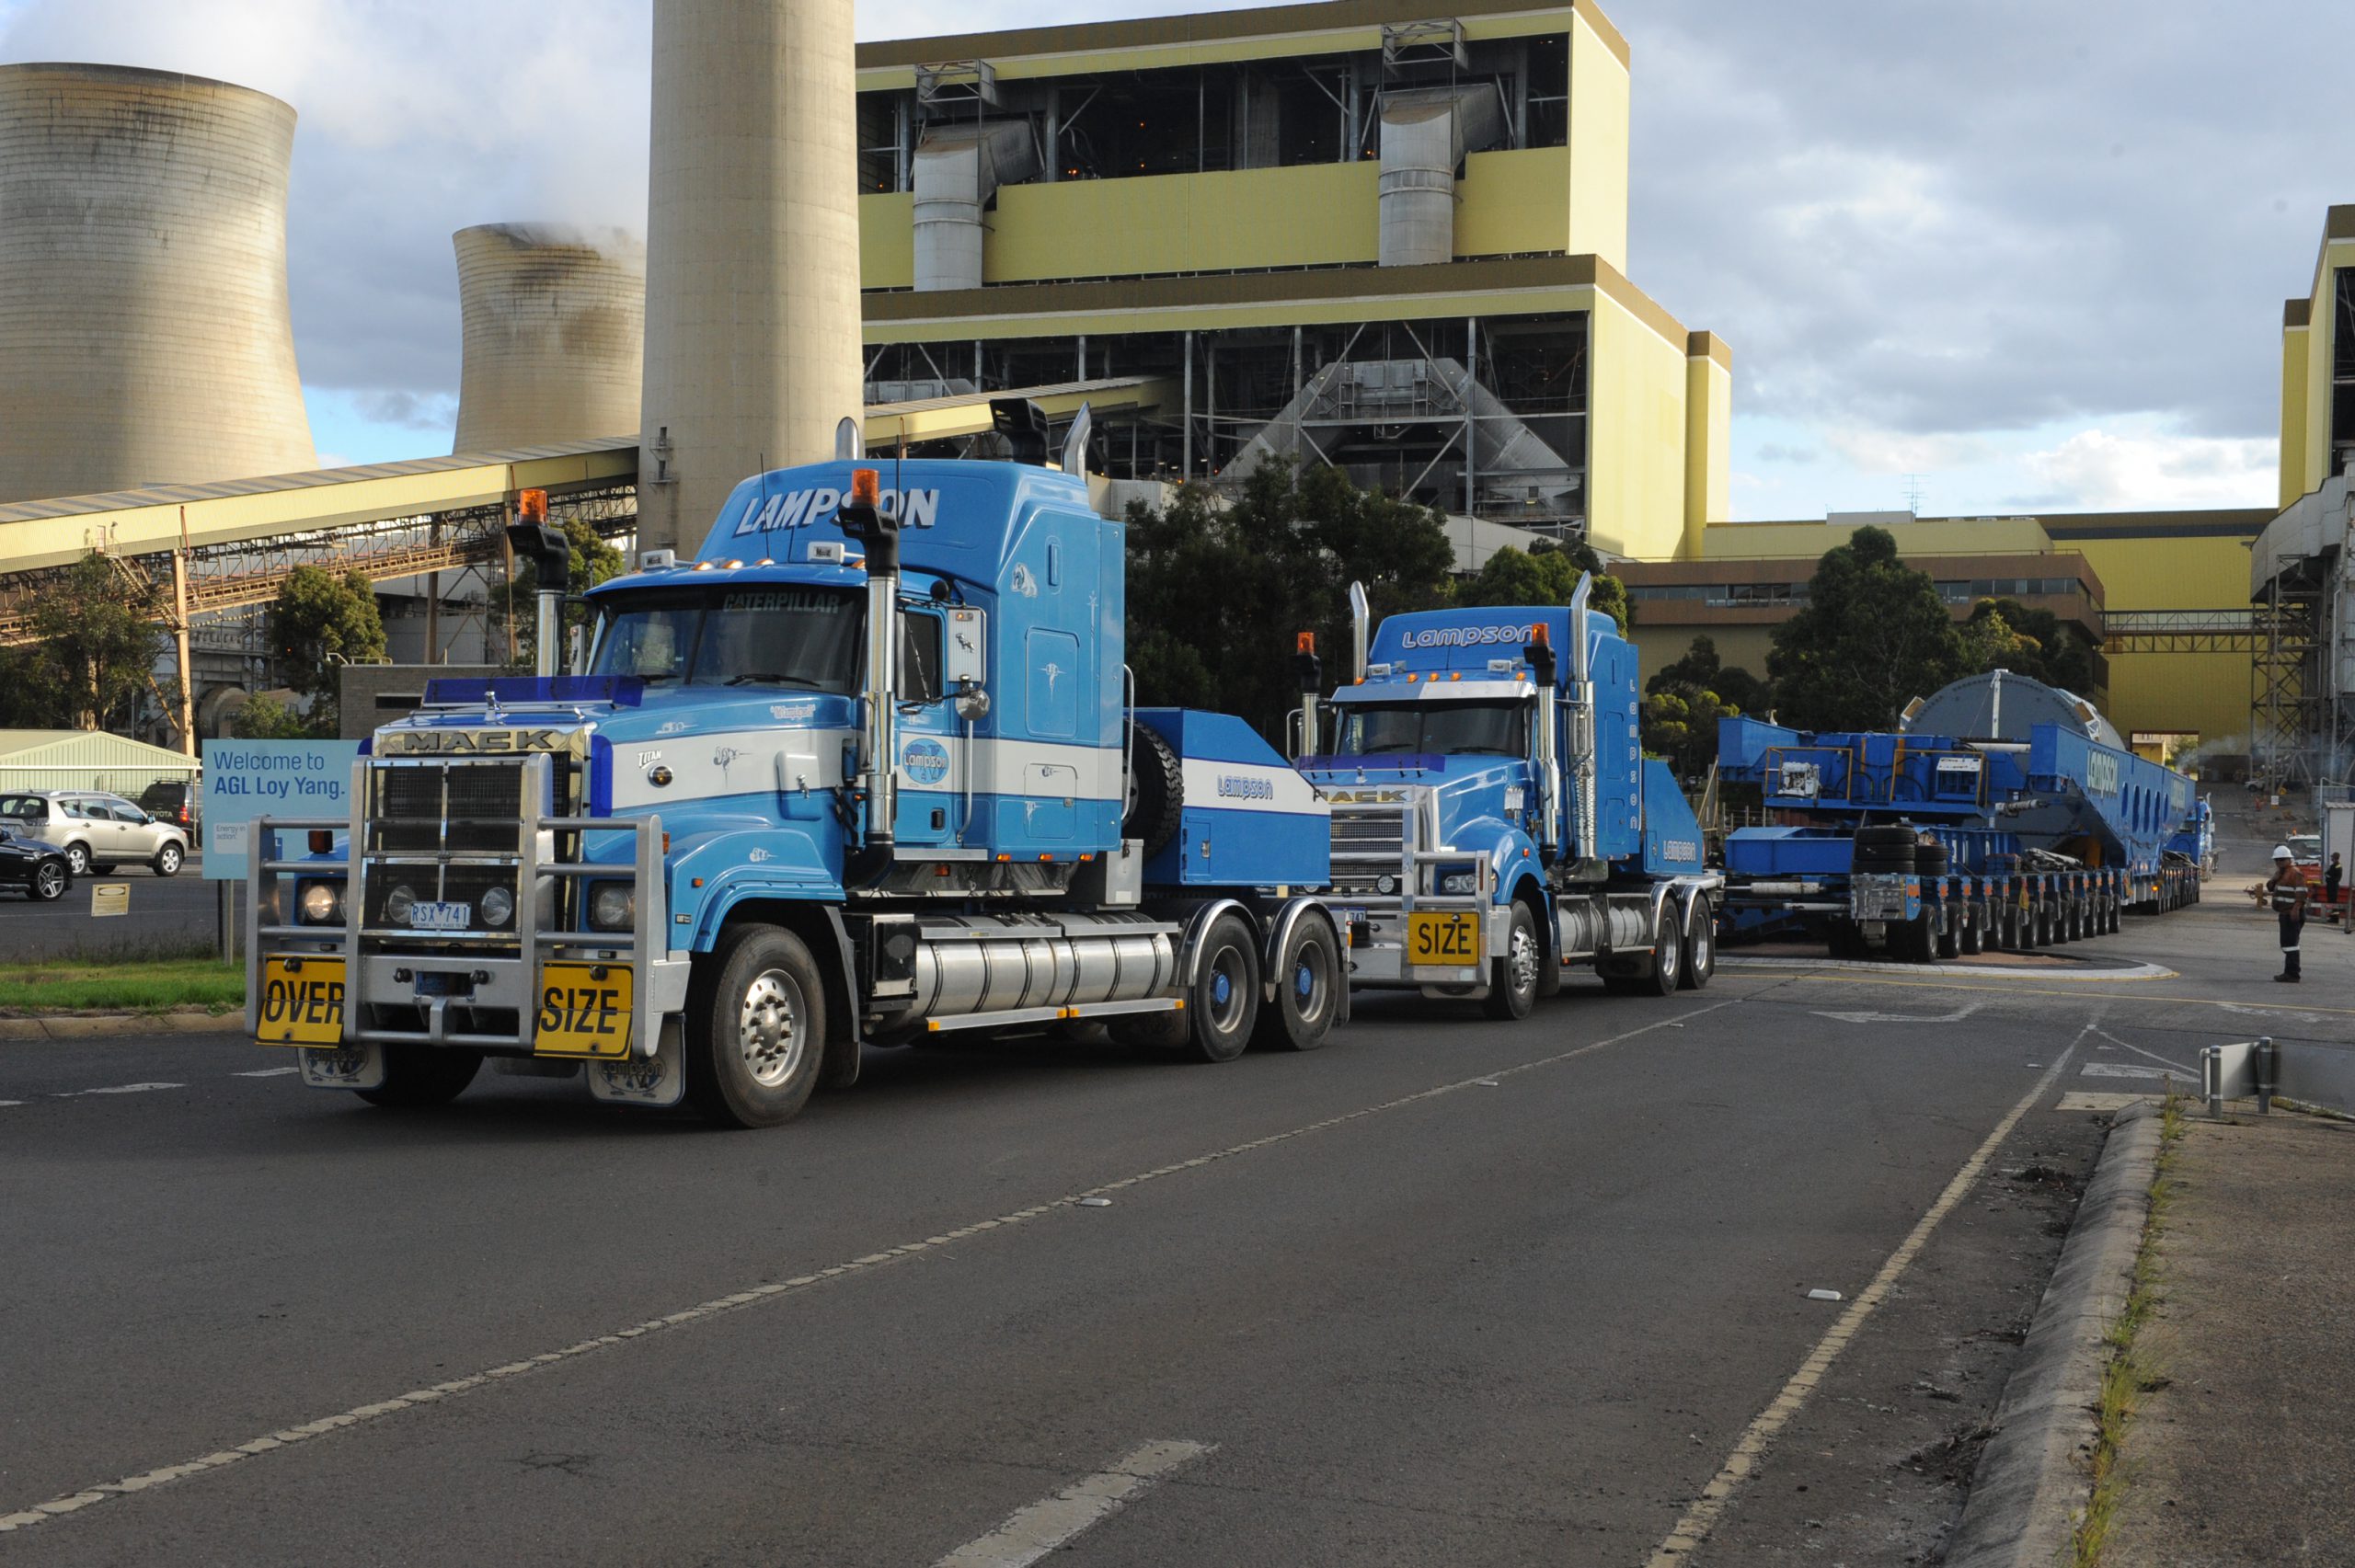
861,771
1494,822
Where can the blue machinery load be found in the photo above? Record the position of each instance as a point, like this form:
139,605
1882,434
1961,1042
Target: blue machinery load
2002,814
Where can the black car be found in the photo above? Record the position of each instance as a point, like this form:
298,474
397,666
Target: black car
173,801
39,868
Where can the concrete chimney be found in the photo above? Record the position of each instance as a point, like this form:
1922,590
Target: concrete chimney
752,252
555,334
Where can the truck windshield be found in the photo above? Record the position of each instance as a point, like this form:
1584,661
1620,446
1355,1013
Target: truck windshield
1447,729
772,634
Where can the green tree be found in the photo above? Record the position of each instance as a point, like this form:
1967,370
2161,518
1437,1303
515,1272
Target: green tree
30,686
1681,726
1545,575
1701,670
265,718
1214,594
1874,636
2045,647
98,629
320,622
594,561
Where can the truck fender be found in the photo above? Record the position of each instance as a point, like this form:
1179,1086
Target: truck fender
1280,930
837,967
1189,953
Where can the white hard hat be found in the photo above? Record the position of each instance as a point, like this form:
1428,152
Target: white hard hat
2282,852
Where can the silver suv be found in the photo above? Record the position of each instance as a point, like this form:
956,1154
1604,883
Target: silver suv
96,831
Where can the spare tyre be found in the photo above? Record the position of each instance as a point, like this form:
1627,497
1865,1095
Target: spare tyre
1930,859
1157,790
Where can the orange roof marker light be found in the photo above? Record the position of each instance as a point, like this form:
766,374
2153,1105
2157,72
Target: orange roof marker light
1305,642
866,487
531,506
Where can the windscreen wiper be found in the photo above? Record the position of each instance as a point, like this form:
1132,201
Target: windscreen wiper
782,679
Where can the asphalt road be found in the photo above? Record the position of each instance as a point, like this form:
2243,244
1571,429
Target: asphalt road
168,915
1446,1292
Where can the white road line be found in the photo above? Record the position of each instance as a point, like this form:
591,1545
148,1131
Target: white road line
267,1072
120,1089
2128,1070
1699,1520
1050,1523
11,1101
40,1512
2129,1045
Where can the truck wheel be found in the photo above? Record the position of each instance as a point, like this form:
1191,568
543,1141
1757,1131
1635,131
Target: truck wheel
1667,956
1157,790
762,1020
1308,981
1972,939
1700,946
417,1076
1949,939
1513,977
1223,1003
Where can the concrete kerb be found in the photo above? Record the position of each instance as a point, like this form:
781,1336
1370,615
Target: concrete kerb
2077,969
2032,1480
112,1025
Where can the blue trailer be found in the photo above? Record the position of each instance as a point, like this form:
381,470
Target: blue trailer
861,771
1495,822
1921,844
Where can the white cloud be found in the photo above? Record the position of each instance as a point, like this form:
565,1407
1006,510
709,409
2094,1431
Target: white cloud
2102,471
1894,451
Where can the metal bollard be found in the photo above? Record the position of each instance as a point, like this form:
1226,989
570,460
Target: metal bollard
2212,1076
2267,1074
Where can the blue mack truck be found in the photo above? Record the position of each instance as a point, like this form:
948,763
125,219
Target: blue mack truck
860,773
1496,823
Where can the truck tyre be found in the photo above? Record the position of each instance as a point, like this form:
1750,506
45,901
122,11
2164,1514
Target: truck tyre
1513,977
1972,939
417,1076
756,1017
1949,937
1700,946
1223,1003
1308,988
1157,790
1667,956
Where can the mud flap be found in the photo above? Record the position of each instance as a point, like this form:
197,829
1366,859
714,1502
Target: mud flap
656,1083
343,1067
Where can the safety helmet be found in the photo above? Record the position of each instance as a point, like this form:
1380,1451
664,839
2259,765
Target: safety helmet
2282,852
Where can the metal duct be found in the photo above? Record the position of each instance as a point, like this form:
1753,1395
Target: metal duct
958,168
1426,132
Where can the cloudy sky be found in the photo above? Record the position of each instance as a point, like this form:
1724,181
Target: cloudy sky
2021,256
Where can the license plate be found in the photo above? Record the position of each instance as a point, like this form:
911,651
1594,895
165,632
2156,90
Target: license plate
584,1011
301,1002
1452,937
441,917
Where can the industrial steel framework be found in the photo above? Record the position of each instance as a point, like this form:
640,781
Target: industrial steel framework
2289,716
2181,630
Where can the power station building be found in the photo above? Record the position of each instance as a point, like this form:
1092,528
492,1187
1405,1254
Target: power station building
1348,233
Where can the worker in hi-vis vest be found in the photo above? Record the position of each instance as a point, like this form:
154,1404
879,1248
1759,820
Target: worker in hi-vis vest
2285,892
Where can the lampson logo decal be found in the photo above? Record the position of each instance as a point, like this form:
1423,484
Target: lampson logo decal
926,761
803,508
1245,786
1466,636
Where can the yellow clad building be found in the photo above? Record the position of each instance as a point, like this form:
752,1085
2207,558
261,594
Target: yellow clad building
2318,366
1349,233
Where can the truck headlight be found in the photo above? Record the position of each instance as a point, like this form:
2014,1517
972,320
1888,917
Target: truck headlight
497,905
397,904
613,906
1459,882
321,903
1386,886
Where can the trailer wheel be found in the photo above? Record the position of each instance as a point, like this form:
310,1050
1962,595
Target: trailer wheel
1308,981
1222,1004
1157,790
1700,946
417,1076
1972,940
1949,938
1512,976
757,1029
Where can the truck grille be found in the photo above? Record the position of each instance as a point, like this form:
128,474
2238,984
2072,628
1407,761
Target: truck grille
430,826
1367,842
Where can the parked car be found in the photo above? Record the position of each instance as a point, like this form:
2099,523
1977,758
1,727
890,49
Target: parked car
39,869
176,801
96,831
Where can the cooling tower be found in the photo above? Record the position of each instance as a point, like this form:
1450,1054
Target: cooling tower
143,334
555,334
752,252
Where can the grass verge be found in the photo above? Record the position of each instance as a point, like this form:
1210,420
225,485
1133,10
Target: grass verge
2131,1373
151,987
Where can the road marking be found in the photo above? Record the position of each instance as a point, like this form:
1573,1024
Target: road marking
1900,1017
1051,1522
73,1502
1699,1520
267,1072
2129,1045
2128,1069
11,1101
119,1089
2080,1100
